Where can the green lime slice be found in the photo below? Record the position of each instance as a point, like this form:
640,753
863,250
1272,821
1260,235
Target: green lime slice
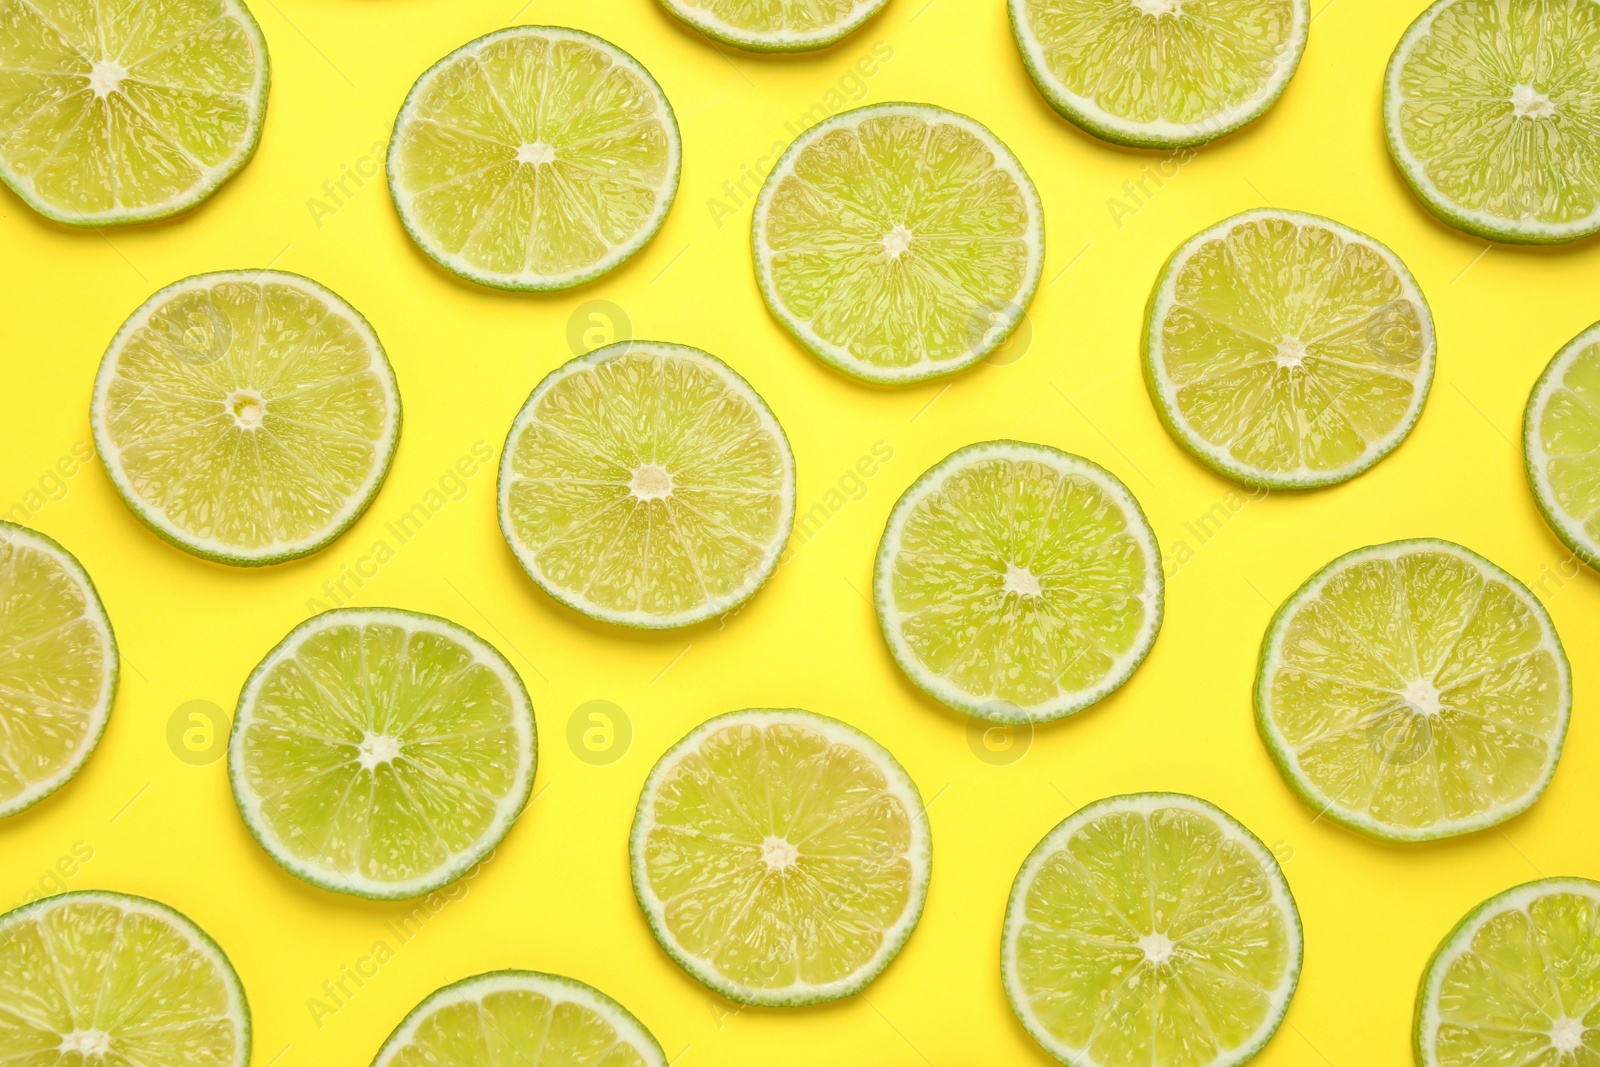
1161,73
1413,691
776,25
534,158
1151,929
898,242
507,1018
1018,583
108,979
1561,444
1492,113
58,667
248,417
112,113
781,857
647,485
1286,351
1517,982
381,752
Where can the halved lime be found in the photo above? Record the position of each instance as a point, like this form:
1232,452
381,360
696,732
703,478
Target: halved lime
1414,691
534,158
898,242
1161,73
517,1018
1492,113
646,484
105,978
248,417
1286,351
781,857
776,25
381,752
1561,444
1151,930
1018,583
1517,982
112,113
58,667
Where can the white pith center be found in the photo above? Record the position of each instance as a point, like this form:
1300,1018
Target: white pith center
1529,103
105,77
1423,697
1157,948
1020,580
86,1043
535,152
1567,1034
1291,353
375,749
778,854
247,407
650,482
1158,7
896,241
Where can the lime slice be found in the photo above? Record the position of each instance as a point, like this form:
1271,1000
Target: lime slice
776,25
507,1018
898,242
1286,351
58,667
1018,583
1414,691
112,113
248,417
646,484
381,752
1517,982
781,857
1151,929
534,158
108,979
1161,73
1561,444
1493,116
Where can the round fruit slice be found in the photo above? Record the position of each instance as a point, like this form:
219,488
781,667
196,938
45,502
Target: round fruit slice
1516,982
1561,444
520,1017
898,242
1286,351
1414,691
534,158
781,26
1161,73
116,113
381,752
1492,113
1151,929
248,417
646,484
105,978
781,857
58,667
1018,583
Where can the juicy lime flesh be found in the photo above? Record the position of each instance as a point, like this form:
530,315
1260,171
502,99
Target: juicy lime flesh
774,17
516,1028
1153,939
112,107
1418,690
1500,108
1291,348
1569,434
781,857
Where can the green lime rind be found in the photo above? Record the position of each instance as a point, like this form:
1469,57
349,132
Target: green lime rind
728,34
619,254
1571,532
1051,844
1217,459
337,881
990,709
1095,121
1284,758
921,857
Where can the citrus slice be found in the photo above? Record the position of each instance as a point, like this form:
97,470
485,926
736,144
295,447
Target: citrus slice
776,25
1151,929
105,978
781,857
646,484
520,1017
1414,691
898,242
1286,351
1018,583
58,667
1493,116
1516,982
534,158
248,417
1160,73
112,113
1561,444
381,752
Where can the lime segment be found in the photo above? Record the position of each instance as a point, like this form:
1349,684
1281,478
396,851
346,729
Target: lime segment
775,25
1561,444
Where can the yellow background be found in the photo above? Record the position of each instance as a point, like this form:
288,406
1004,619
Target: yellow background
557,897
